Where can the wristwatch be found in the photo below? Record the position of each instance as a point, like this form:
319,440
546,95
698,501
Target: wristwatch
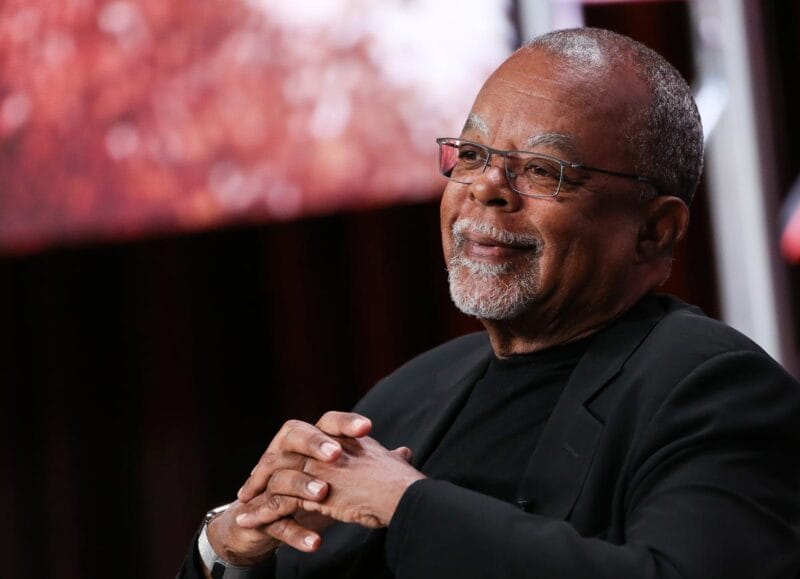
220,568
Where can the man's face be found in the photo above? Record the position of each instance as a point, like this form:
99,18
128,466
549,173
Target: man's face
546,258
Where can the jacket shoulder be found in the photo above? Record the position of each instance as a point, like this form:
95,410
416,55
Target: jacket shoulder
686,333
688,353
411,381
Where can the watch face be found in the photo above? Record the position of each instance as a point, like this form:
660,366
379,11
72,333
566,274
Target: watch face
214,512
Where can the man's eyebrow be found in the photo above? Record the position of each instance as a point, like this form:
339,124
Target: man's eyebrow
563,143
476,123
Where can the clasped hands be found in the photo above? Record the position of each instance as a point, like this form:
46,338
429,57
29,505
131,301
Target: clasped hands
308,477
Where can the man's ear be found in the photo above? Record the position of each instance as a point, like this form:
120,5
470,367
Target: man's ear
664,223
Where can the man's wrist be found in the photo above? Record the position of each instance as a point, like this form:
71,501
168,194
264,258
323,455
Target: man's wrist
224,565
393,497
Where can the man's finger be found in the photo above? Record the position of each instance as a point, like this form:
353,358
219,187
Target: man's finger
266,510
294,441
293,534
256,483
403,452
344,424
297,484
270,461
311,442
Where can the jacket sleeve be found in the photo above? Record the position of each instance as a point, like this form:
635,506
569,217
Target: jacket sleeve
711,489
192,567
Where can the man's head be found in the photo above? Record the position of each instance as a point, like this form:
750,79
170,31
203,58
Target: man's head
627,142
665,137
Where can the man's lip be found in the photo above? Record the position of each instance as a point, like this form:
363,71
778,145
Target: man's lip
485,240
483,247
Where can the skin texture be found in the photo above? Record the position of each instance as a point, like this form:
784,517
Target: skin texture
601,249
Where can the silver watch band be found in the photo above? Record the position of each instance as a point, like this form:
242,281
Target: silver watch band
219,567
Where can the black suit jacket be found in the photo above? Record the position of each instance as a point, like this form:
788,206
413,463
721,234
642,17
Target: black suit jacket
673,452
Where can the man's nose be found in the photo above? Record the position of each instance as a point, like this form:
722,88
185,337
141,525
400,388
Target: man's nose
492,188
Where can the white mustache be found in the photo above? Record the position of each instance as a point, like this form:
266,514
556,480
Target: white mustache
501,236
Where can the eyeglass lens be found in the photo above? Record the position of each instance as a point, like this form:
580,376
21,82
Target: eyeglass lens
528,173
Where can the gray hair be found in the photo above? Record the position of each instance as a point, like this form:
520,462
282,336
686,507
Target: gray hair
665,137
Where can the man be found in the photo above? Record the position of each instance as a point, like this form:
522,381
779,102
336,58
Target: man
595,429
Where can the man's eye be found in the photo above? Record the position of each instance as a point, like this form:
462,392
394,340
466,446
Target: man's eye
540,170
468,154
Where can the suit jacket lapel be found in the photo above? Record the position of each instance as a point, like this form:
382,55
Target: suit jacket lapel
558,466
451,389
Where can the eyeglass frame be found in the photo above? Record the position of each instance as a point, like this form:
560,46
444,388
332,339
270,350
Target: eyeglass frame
561,162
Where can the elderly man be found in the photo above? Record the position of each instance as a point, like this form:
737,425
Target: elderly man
595,429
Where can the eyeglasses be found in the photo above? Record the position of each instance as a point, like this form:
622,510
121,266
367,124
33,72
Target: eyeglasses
529,174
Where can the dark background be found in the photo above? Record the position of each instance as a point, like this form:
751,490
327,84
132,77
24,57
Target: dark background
141,381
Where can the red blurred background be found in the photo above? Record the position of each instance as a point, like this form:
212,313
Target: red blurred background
128,117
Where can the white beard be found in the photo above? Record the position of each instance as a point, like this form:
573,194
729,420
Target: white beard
486,290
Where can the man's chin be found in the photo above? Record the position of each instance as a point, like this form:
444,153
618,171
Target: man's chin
489,297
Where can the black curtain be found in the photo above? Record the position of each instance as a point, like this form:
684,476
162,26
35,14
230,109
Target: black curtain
141,381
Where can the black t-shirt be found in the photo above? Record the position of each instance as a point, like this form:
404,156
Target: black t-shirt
494,435
491,440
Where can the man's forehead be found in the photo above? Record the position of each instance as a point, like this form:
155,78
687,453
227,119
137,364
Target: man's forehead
553,140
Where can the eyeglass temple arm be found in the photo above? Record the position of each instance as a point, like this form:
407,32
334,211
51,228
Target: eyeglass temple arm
639,178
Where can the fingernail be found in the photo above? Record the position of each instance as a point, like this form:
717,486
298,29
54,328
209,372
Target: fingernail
243,519
328,448
314,487
360,422
239,494
309,540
